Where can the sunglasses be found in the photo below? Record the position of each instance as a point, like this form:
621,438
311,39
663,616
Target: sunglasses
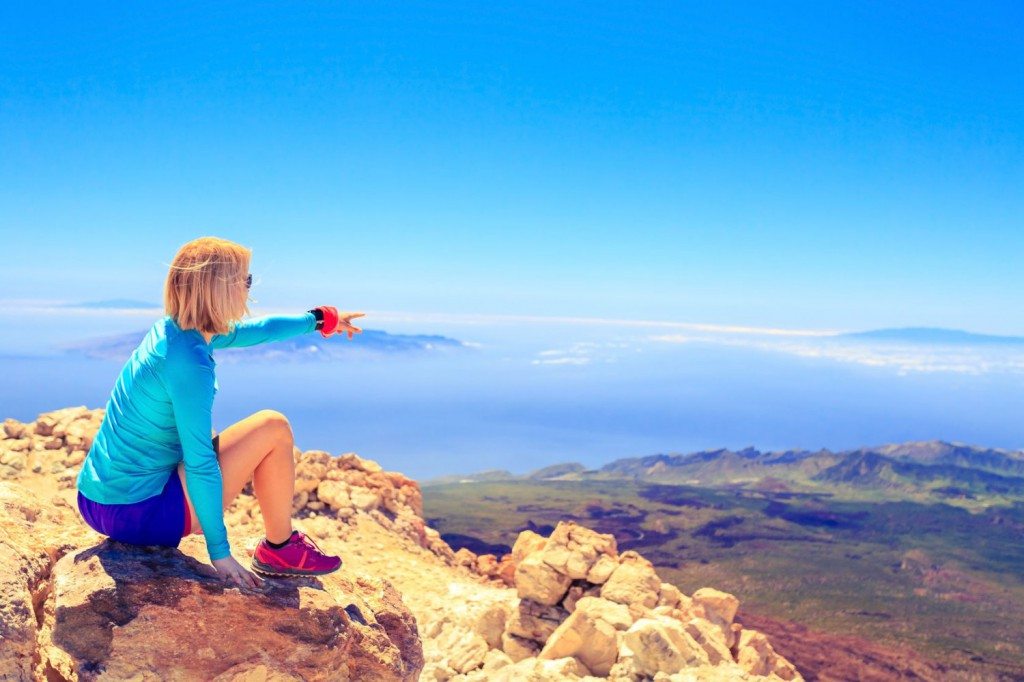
248,281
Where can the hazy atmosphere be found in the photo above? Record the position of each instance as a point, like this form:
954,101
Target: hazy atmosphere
691,343
650,227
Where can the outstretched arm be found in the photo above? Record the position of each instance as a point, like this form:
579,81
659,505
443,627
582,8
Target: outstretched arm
265,329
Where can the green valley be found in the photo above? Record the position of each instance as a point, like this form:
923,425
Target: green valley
911,555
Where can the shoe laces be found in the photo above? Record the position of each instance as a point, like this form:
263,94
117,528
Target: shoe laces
308,541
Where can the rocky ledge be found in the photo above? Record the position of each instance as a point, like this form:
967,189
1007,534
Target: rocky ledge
115,611
77,606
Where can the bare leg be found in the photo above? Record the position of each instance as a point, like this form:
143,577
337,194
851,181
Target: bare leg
259,448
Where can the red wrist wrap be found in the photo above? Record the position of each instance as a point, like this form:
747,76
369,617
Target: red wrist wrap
330,320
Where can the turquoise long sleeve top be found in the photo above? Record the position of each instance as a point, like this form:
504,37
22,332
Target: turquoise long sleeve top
160,413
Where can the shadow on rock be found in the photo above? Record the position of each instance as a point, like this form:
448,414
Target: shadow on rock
122,610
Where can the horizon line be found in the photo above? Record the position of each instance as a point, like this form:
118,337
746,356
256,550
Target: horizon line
97,308
52,306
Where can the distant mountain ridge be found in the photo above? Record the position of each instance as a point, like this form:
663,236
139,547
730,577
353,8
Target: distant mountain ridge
312,347
933,335
934,452
935,468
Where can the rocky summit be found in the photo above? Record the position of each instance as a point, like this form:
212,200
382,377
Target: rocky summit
77,606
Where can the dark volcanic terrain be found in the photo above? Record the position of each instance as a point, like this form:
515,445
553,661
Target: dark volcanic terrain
898,562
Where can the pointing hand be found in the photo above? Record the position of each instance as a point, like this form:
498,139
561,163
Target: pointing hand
338,323
345,324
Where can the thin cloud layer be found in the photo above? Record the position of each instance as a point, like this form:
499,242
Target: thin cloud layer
583,353
455,318
904,353
905,358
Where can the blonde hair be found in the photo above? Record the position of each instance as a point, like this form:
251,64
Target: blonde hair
205,288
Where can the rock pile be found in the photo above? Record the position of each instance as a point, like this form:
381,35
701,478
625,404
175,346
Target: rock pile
570,606
584,610
337,488
54,443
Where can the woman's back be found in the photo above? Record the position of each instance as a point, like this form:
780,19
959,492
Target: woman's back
138,444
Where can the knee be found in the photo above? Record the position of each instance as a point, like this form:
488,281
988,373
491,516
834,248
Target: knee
277,423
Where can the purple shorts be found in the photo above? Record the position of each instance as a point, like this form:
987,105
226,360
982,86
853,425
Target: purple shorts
159,520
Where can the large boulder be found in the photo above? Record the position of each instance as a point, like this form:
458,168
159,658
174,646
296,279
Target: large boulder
76,606
23,574
34,533
122,612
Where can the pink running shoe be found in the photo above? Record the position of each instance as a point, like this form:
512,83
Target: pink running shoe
300,556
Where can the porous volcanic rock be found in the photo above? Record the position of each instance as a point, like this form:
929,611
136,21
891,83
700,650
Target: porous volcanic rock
75,605
122,612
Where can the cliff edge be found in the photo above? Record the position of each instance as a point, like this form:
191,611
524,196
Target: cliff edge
77,606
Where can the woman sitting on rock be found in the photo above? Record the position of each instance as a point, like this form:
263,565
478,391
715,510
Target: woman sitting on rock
153,474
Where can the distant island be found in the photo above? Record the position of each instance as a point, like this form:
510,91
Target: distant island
933,335
308,347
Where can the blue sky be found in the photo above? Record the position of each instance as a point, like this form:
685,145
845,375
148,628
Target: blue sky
811,165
